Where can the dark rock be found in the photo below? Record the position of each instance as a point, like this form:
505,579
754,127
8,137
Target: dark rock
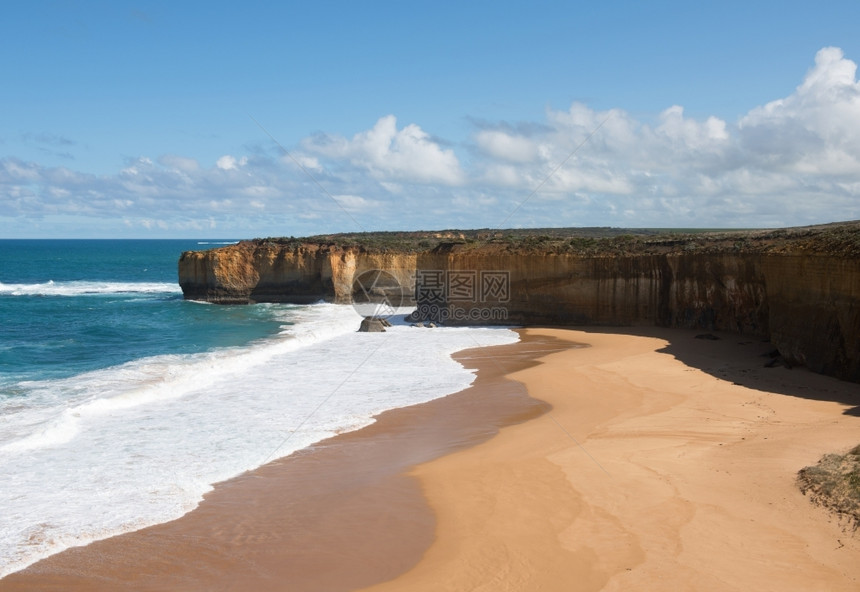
709,336
372,325
778,361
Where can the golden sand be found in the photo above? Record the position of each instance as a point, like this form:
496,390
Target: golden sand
666,463
657,469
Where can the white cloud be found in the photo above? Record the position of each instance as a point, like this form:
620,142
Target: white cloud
179,163
231,163
21,172
308,163
506,146
794,160
815,130
407,155
355,203
689,133
226,163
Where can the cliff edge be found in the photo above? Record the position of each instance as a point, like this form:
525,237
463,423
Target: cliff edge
798,287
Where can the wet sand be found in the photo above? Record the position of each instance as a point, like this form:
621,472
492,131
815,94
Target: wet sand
338,516
666,462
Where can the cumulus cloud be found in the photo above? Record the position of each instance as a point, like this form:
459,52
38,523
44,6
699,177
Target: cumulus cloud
815,130
505,146
230,163
355,203
792,161
388,153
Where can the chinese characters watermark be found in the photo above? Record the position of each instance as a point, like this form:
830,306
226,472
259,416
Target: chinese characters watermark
462,295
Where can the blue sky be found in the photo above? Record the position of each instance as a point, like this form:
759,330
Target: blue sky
157,119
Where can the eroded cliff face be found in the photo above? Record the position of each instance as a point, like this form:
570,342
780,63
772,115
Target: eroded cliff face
261,271
814,315
696,291
806,301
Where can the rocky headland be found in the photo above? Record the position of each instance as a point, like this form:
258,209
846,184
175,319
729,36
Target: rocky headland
797,287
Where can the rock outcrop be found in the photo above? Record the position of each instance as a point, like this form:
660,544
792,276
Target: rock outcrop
373,325
800,288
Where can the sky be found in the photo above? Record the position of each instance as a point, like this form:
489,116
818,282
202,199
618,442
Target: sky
240,120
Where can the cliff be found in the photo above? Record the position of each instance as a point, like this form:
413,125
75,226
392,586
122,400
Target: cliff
272,271
799,288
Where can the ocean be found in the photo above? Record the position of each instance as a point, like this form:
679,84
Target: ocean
121,404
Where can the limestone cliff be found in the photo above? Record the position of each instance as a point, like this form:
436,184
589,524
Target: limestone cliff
269,271
800,288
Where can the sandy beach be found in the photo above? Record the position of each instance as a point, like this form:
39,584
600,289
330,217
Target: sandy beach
665,462
338,516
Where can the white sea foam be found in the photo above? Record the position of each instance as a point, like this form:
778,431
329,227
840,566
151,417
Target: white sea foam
79,288
147,439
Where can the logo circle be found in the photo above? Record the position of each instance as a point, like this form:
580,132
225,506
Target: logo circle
376,293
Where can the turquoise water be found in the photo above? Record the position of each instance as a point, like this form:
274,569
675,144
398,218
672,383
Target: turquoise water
71,306
121,404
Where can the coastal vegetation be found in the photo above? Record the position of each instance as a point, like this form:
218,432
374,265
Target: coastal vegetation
834,483
840,239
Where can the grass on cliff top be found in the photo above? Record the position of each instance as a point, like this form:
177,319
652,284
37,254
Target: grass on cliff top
842,239
834,483
418,241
